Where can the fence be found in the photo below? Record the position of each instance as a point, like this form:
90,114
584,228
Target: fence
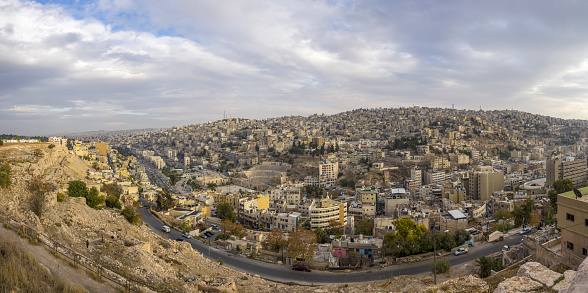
127,283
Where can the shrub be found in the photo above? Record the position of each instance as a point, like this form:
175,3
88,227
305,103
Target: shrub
131,216
60,197
220,261
442,266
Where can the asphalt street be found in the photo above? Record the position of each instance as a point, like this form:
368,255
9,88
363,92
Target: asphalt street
282,273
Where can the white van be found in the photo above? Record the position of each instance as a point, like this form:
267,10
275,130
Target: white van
165,229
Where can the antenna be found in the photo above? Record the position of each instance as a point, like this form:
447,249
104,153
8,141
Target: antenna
578,193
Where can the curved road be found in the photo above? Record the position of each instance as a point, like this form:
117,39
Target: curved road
284,274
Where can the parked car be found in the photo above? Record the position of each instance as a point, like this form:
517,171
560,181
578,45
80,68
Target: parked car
525,230
505,248
203,236
186,235
460,251
208,233
301,267
180,239
165,229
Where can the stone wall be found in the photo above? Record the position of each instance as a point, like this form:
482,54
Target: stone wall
545,256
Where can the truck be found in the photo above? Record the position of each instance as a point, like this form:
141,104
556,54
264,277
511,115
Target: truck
165,229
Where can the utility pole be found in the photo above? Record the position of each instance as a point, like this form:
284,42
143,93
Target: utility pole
434,260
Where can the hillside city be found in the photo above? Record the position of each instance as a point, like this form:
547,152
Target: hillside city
354,191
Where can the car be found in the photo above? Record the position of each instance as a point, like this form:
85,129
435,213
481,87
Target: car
525,230
186,235
203,236
180,239
505,248
208,233
460,251
301,267
165,229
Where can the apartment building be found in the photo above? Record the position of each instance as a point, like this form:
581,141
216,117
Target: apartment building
572,220
321,213
566,168
328,172
483,184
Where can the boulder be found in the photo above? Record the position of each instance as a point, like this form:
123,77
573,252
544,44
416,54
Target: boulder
539,273
464,284
518,285
580,282
565,283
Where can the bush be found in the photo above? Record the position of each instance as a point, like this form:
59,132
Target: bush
223,236
220,261
442,266
131,216
60,197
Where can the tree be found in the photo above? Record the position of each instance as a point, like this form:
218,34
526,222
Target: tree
461,236
51,146
522,213
185,226
552,195
132,216
322,236
275,240
94,199
69,144
225,212
212,186
39,190
301,244
77,188
441,266
487,264
364,227
164,200
4,174
113,193
562,186
502,215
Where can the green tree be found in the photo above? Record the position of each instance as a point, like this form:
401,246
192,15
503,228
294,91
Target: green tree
77,188
522,213
4,174
51,146
164,200
132,216
185,226
461,236
322,236
552,195
487,264
562,186
364,227
69,144
212,186
225,212
113,193
94,199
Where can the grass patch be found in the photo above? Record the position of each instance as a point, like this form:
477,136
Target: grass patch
21,272
94,276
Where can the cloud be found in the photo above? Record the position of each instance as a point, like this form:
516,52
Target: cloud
122,64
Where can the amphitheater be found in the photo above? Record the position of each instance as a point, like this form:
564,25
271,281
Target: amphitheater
264,174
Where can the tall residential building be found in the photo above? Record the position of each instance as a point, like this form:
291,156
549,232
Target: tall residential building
567,168
102,148
328,172
572,220
416,175
483,184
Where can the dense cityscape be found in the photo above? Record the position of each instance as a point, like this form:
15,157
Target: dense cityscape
354,190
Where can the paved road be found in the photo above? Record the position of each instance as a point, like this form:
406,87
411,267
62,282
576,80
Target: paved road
284,274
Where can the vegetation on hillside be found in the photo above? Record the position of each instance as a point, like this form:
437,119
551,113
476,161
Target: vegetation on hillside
21,272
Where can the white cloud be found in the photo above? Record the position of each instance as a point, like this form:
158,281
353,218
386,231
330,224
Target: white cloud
129,63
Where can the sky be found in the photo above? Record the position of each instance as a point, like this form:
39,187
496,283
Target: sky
72,66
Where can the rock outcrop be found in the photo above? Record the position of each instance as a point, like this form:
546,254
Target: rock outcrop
540,273
518,285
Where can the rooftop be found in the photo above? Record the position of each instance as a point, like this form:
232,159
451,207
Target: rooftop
571,194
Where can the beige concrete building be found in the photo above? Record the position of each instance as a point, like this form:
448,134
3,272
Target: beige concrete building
483,184
328,171
567,168
572,219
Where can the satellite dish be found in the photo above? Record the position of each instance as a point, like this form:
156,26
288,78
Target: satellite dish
578,193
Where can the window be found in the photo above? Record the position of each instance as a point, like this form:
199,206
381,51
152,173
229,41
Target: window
569,217
570,245
586,222
584,251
